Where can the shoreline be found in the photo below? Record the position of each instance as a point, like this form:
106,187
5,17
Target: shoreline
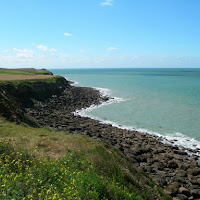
170,167
192,147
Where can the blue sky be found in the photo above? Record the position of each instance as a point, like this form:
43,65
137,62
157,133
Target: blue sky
99,33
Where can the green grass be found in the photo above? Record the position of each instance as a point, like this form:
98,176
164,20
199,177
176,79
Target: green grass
42,71
13,73
72,177
38,163
24,71
29,81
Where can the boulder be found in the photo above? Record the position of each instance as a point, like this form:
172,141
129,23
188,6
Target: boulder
181,173
185,191
182,197
195,193
172,164
173,188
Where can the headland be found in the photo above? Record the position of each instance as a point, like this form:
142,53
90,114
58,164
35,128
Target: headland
52,104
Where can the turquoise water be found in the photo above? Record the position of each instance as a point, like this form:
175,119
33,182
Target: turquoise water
159,101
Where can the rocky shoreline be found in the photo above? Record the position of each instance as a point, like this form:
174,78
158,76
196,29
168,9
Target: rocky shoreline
170,166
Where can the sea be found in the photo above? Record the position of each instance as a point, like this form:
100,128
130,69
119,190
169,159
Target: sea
162,102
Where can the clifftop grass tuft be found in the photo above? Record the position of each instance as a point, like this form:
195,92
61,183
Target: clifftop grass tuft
24,74
49,79
24,71
38,163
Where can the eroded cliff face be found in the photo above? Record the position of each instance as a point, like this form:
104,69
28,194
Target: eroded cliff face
15,96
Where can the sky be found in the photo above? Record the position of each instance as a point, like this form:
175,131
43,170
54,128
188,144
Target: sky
100,33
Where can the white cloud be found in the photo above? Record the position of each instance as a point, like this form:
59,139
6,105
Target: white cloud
68,34
53,50
164,59
111,48
107,3
5,51
42,47
45,48
24,53
28,58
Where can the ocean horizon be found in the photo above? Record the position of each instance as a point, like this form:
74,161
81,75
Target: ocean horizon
163,102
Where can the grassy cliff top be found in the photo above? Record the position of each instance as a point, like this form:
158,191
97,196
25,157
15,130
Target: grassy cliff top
24,74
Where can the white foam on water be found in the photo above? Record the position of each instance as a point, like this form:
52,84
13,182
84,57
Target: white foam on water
182,140
104,92
175,139
74,82
107,92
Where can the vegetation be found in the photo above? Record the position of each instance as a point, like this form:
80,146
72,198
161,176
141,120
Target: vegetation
49,79
38,163
13,73
24,71
24,74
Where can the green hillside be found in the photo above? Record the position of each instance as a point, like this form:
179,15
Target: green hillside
38,163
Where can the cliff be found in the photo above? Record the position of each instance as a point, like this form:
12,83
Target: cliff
16,95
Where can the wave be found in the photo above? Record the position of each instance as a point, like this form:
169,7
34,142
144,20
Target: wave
107,92
104,92
175,139
74,82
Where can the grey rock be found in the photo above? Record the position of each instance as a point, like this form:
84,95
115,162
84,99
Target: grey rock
184,191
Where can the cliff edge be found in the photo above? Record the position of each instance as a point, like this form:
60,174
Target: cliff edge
15,95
